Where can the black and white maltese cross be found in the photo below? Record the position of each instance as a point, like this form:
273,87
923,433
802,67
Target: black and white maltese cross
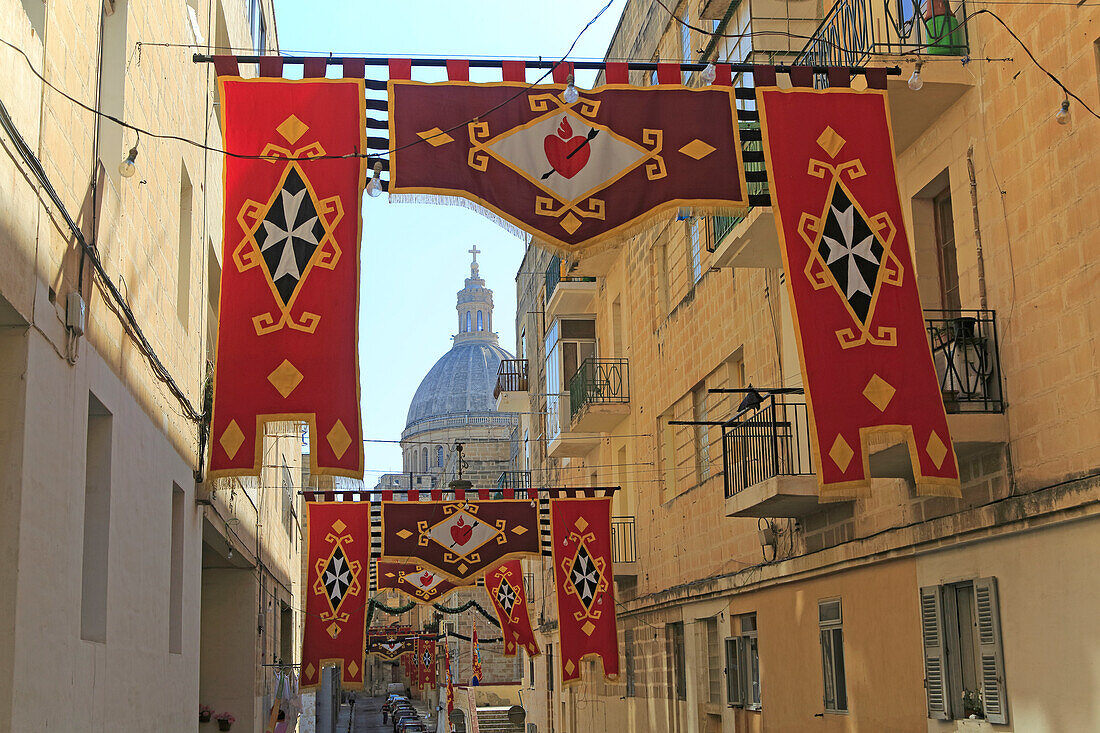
289,235
585,577
337,577
506,597
852,253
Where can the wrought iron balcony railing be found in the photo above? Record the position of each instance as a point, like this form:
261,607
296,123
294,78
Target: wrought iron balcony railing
967,359
519,481
554,276
854,30
511,377
623,546
772,441
598,381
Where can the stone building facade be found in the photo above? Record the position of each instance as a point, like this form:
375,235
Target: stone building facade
749,605
132,591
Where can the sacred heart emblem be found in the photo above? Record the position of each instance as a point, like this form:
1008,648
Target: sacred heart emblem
566,152
426,579
460,532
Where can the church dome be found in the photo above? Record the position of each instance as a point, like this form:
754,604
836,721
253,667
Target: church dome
461,381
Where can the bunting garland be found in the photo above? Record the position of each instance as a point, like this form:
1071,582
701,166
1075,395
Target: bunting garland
287,315
866,359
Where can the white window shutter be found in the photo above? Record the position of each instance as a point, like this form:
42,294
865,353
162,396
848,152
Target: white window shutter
935,667
992,666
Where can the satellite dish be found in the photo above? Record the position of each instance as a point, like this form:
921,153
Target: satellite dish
517,714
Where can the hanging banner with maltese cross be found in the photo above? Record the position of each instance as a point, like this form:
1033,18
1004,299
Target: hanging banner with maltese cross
580,530
866,359
504,584
418,582
459,540
288,309
338,553
571,174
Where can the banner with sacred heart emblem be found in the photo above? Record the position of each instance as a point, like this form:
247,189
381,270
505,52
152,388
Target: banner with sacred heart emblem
571,174
338,552
866,359
416,581
458,539
580,530
504,584
388,644
288,309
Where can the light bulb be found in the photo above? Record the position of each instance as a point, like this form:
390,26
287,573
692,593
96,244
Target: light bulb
374,186
570,94
1063,113
915,82
708,74
126,168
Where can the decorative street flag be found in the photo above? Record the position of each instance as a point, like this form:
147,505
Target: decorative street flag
504,585
475,651
458,539
427,662
287,317
388,644
416,581
580,530
866,360
449,679
571,174
338,548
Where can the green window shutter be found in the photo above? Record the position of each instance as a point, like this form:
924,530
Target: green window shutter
935,667
992,666
733,673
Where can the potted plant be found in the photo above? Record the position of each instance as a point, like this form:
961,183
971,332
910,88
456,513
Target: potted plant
225,720
205,711
972,704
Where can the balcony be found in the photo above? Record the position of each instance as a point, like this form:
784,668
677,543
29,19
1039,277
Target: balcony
624,550
567,294
566,441
751,241
599,395
855,30
966,355
511,388
517,481
768,468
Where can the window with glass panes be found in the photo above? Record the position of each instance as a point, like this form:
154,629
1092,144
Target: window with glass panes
677,654
714,661
743,665
832,656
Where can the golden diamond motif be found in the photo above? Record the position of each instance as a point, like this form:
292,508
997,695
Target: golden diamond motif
435,137
936,450
231,439
285,378
292,128
697,149
463,568
404,534
570,223
519,529
879,392
841,452
333,630
339,526
309,670
831,142
339,439
353,668
581,524
569,666
588,628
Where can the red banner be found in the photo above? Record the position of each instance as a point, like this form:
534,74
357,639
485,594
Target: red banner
338,552
572,174
288,309
449,679
475,660
580,530
509,598
426,662
416,581
866,360
458,539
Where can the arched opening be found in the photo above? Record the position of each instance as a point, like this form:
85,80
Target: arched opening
439,456
424,459
467,320
480,323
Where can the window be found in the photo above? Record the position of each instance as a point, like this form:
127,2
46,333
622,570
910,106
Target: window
628,654
694,255
97,523
963,662
439,456
945,252
685,43
424,458
702,432
257,26
175,574
743,666
183,253
480,322
832,656
550,667
713,657
675,637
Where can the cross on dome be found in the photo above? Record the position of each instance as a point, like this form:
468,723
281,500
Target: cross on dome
473,265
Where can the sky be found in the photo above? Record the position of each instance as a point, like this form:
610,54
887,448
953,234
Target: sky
415,256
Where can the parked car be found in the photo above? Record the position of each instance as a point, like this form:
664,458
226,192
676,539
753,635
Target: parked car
412,726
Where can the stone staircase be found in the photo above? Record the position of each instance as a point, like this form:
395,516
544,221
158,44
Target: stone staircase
495,720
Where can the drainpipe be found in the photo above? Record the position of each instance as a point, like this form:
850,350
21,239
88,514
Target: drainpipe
977,227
